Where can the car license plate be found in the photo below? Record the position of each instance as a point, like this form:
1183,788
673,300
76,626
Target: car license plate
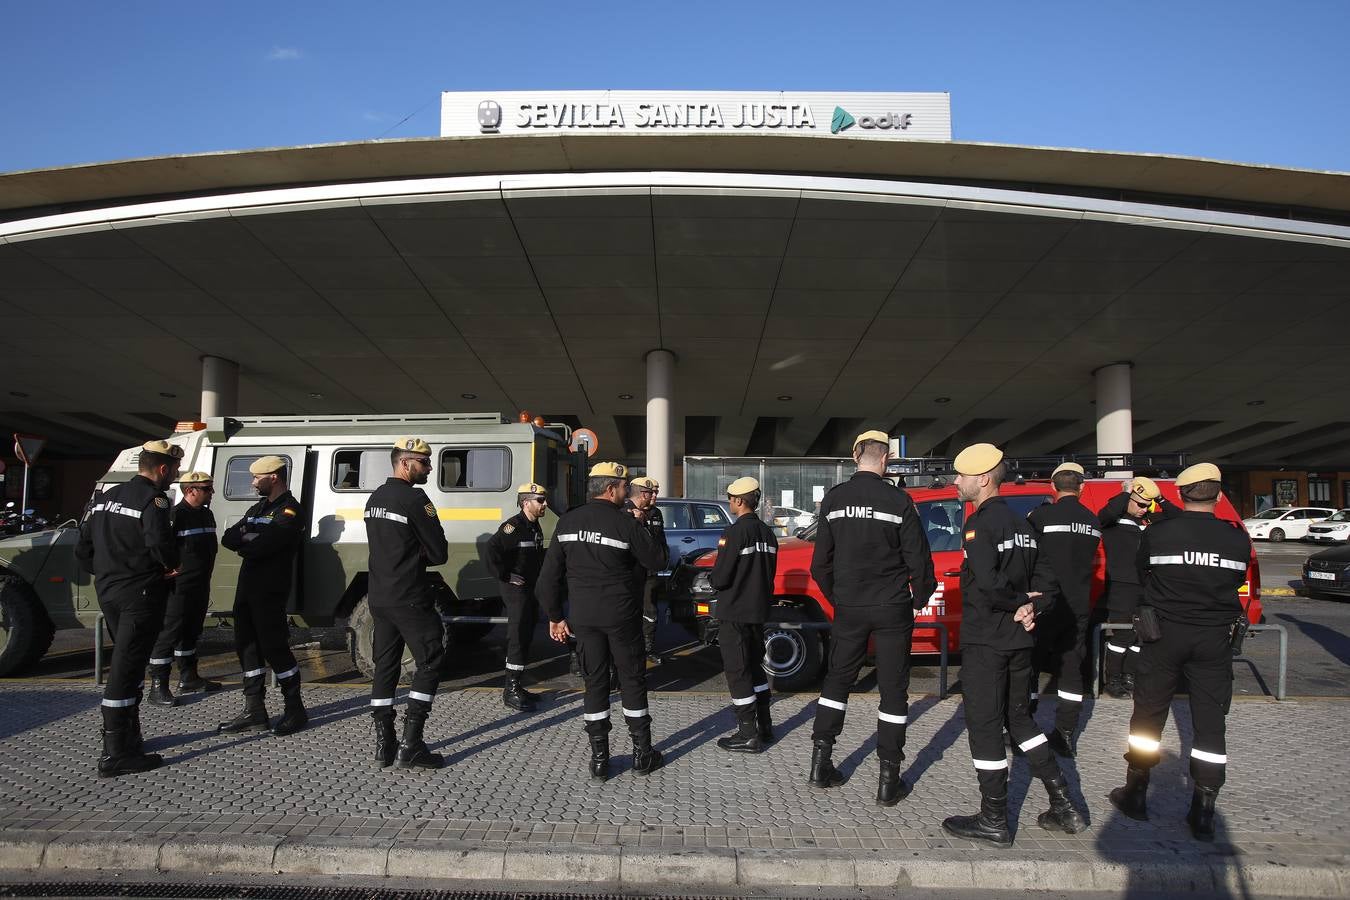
1323,576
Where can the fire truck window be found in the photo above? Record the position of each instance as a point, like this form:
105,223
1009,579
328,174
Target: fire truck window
941,521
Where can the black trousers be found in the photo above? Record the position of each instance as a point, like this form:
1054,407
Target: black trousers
262,637
995,685
134,617
649,614
184,618
742,646
418,628
891,630
1122,647
621,644
1061,646
1203,655
522,614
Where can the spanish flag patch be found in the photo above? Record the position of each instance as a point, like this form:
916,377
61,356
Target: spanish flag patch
288,511
970,535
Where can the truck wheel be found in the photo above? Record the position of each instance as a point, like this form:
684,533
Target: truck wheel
1277,535
792,657
25,630
361,628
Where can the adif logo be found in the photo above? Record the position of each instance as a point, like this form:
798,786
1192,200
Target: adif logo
842,120
489,116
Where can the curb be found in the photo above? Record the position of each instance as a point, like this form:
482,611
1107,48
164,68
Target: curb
566,866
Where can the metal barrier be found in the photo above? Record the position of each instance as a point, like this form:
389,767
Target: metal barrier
98,647
1283,665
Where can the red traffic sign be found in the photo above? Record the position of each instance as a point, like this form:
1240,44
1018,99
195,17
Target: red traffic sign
584,438
27,447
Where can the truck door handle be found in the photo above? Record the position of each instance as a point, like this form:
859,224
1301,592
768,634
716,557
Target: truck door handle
952,573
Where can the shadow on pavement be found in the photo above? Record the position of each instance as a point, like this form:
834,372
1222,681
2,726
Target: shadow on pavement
1334,642
22,711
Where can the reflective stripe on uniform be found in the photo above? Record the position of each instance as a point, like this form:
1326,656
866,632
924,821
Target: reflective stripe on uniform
120,704
381,701
528,545
990,765
595,717
258,520
761,688
1146,744
1012,542
1073,698
854,512
592,539
634,713
185,652
117,509
189,532
1210,560
743,701
418,695
1115,648
512,667
1138,525
166,661
254,673
758,548
288,673
386,514
1066,529
832,704
893,719
1032,743
1205,756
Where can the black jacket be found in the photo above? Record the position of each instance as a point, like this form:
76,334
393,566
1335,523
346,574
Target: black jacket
1193,564
195,529
267,539
591,558
1001,565
126,539
871,549
1069,535
747,559
1121,533
516,548
405,536
656,524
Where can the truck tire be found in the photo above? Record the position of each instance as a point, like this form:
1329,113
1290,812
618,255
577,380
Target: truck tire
792,657
361,628
25,630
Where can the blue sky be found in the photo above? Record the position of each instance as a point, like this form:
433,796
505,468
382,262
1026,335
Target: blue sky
1261,82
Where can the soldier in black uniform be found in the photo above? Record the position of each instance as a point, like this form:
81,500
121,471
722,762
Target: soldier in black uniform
515,554
593,551
872,561
1123,518
267,538
127,543
195,529
1193,564
1068,536
747,558
1000,569
642,503
405,536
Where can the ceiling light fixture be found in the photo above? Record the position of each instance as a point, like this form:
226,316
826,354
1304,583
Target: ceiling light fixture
942,399
469,396
316,396
1256,403
625,396
784,396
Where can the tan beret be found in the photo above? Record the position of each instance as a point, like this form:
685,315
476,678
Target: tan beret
531,488
609,470
978,459
413,445
195,478
881,436
742,486
1198,473
1145,488
163,448
266,465
646,483
1068,467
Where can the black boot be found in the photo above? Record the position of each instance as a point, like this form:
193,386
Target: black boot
386,742
121,755
136,743
1061,816
294,717
189,682
159,689
1061,740
1128,682
991,824
891,788
1132,799
1201,816
527,694
765,719
1115,687
823,772
600,757
746,738
513,696
645,759
254,716
412,750
653,658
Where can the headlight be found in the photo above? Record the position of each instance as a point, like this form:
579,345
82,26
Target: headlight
700,584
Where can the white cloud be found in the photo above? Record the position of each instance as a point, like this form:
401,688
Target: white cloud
280,54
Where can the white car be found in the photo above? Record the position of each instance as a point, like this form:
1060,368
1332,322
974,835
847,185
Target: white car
1335,530
789,518
1285,523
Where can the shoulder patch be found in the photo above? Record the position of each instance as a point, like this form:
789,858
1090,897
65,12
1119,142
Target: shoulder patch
431,509
970,535
508,528
288,511
162,502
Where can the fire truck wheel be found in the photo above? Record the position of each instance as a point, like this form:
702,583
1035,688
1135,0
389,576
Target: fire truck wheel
792,657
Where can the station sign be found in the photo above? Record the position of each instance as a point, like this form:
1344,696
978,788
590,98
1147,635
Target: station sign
895,116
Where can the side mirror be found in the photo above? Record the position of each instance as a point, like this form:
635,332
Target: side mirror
798,532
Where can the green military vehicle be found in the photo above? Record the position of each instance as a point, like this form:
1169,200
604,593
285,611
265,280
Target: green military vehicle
335,462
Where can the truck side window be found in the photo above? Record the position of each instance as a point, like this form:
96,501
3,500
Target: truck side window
942,520
475,469
360,470
239,481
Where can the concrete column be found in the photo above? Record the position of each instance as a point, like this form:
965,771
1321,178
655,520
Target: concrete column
1115,415
220,387
660,394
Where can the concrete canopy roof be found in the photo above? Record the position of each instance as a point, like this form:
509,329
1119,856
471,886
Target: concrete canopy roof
945,308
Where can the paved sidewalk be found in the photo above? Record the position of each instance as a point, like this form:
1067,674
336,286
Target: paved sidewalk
515,801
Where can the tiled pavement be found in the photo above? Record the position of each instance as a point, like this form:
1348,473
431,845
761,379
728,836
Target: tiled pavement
517,783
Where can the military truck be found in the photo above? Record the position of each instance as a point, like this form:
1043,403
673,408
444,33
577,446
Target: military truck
335,462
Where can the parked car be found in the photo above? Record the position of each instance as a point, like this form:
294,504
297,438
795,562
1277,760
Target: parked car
787,519
1285,523
1326,574
692,525
795,655
1333,530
